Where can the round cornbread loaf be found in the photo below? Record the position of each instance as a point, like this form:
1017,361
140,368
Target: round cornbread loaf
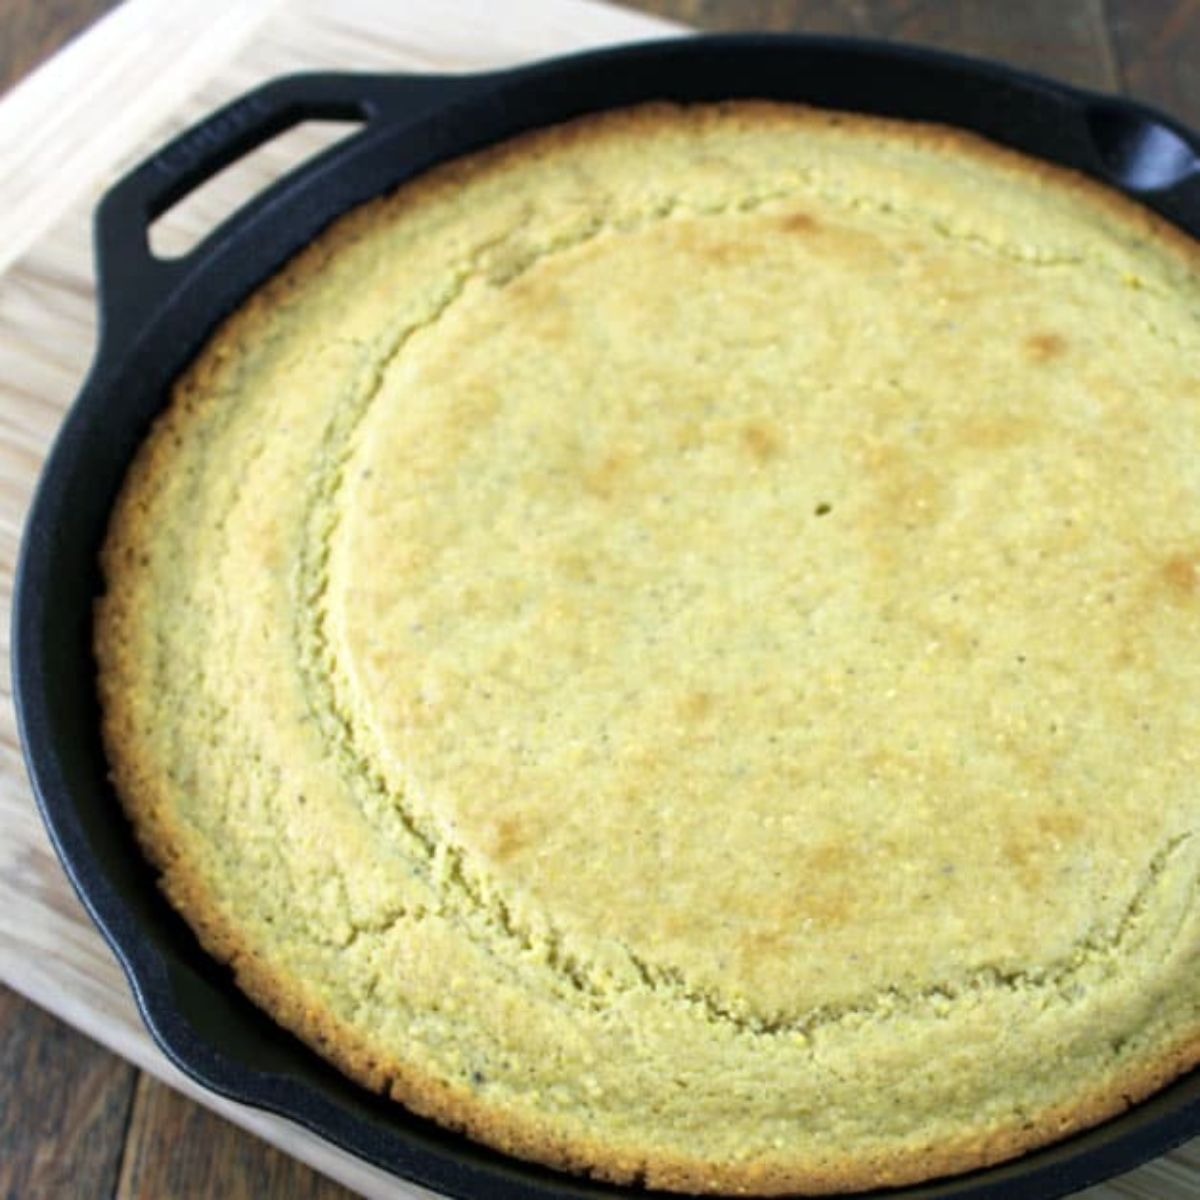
671,645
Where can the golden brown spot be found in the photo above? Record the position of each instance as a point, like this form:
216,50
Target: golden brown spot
763,948
824,903
607,478
885,764
695,706
1045,347
575,565
822,888
798,222
1126,655
1028,756
831,858
689,435
761,440
822,893
1174,581
471,405
908,494
996,431
767,943
1036,846
1181,574
537,307
820,884
1058,828
508,838
720,253
916,499
1023,851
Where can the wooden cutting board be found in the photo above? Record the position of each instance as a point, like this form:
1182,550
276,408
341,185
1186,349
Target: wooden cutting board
146,71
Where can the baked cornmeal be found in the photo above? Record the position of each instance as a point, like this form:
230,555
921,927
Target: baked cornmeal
670,645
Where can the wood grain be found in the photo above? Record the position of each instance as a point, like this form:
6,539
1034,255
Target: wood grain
63,1109
176,1148
1158,53
49,134
1067,40
32,30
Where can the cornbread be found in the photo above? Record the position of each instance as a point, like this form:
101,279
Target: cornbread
670,645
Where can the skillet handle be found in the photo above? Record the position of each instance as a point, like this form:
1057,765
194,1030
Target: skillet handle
133,283
1147,154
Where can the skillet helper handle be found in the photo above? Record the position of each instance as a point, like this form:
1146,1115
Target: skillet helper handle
132,281
1149,155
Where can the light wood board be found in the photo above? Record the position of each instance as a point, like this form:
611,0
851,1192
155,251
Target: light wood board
149,69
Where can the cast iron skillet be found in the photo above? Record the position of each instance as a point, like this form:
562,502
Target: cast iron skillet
155,315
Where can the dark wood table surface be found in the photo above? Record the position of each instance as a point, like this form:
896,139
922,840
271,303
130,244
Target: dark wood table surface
75,1120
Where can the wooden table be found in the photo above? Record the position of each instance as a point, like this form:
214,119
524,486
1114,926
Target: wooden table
75,1119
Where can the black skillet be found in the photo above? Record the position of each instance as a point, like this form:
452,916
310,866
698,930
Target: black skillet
155,315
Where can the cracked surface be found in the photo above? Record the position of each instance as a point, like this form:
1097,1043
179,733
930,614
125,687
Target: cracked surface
689,673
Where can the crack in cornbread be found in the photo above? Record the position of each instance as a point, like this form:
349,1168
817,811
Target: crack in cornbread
458,879
685,674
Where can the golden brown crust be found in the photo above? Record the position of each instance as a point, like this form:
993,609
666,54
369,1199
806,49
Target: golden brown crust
287,996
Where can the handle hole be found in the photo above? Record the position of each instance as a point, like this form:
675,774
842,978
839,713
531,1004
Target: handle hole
190,220
1138,153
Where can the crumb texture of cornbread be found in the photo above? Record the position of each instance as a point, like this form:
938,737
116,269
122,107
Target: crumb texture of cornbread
670,645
